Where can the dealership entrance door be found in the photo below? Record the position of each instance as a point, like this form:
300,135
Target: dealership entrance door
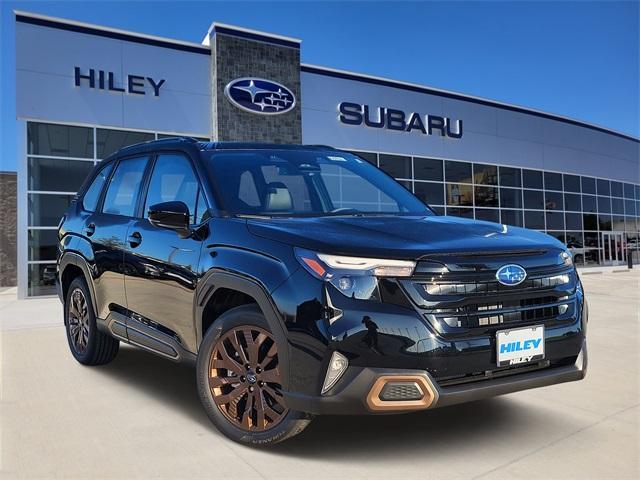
614,248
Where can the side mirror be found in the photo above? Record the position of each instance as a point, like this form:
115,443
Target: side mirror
171,215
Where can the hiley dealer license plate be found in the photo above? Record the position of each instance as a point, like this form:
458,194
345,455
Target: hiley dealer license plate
520,345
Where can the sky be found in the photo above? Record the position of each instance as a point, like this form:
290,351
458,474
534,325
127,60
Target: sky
578,59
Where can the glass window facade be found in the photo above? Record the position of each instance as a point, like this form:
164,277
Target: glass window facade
585,213
59,159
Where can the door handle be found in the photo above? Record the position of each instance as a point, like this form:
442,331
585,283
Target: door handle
91,229
134,239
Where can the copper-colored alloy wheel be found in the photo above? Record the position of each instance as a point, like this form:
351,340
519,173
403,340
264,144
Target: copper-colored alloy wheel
244,379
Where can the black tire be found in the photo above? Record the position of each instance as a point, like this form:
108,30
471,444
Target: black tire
229,420
88,345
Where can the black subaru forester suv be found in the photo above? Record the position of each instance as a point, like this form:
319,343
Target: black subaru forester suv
302,280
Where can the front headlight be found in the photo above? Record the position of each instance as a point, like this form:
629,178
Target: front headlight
355,277
565,258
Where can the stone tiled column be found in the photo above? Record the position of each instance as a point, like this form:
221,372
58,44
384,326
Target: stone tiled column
241,53
8,229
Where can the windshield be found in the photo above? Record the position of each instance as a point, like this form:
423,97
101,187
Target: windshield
307,183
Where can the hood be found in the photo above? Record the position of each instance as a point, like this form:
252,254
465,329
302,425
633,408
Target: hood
399,236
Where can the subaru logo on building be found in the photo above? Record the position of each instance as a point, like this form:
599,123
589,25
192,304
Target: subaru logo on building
511,275
261,96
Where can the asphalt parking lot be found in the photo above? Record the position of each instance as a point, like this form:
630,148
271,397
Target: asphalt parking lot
140,417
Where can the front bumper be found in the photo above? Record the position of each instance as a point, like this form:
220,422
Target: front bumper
360,382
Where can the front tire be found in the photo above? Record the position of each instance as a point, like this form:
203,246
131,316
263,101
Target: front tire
239,381
88,345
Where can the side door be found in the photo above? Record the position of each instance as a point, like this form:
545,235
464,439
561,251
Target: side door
161,268
106,228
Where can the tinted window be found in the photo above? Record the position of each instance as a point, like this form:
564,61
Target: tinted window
460,212
42,244
604,222
572,202
92,195
534,220
555,221
531,179
430,193
457,171
486,196
395,165
589,203
510,177
55,175
59,140
511,217
628,190
603,187
617,206
533,199
604,205
629,207
616,189
574,221
45,210
572,183
485,174
590,221
553,201
510,197
109,141
488,214
459,194
202,210
173,180
588,185
124,187
429,169
552,181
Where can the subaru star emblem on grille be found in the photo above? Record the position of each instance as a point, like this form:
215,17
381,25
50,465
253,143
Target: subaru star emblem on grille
511,275
257,95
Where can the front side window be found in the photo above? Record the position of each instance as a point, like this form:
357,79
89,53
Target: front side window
306,183
92,195
124,187
173,180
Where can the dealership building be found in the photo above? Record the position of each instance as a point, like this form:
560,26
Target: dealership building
84,91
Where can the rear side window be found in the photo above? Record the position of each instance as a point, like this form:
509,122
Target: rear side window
92,195
124,187
173,179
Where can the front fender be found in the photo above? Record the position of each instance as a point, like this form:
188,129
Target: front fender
218,278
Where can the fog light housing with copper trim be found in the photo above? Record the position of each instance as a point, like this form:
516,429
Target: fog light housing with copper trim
337,366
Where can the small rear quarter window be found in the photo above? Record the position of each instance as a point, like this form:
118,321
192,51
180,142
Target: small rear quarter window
92,195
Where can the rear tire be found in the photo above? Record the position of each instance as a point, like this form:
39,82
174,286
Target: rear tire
88,345
239,382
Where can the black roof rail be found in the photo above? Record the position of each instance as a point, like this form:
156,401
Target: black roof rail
260,146
162,141
150,144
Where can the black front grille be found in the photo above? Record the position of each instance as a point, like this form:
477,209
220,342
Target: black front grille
473,303
438,287
506,311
